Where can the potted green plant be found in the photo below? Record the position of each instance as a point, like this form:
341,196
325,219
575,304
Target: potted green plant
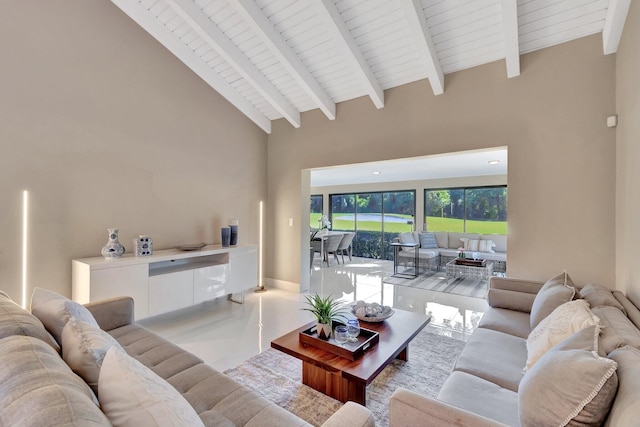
326,311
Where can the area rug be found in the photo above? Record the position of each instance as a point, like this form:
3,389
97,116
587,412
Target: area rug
278,377
438,282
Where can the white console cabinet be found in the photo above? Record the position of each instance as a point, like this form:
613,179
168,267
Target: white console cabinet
167,280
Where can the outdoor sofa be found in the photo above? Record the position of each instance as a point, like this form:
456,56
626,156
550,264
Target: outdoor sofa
58,375
543,354
438,248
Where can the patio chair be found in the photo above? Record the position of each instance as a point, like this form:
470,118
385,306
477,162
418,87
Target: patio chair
331,246
345,245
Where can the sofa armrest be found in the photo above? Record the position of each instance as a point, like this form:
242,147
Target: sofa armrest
351,414
517,285
112,313
408,409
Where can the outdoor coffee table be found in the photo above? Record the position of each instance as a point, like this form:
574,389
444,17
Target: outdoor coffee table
454,270
342,378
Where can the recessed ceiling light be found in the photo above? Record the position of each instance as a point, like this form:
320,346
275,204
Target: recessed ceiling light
376,173
494,162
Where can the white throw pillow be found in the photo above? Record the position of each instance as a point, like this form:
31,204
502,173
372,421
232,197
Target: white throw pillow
563,322
54,310
133,395
84,347
486,246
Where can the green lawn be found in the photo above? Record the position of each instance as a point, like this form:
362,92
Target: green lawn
434,224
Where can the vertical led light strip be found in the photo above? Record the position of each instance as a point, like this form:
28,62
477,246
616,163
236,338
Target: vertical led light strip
260,285
25,216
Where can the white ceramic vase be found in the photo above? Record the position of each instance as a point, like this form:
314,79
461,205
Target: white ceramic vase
113,248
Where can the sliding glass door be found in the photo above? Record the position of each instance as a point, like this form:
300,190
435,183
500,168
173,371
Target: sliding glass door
376,218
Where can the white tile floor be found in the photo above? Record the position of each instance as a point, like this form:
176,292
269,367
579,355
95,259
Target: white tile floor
224,334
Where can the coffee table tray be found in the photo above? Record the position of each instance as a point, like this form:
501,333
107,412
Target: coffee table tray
351,350
471,262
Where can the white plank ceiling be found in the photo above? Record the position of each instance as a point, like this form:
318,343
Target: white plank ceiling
274,59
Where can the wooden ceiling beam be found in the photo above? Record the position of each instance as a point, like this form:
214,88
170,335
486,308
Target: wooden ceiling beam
420,30
511,37
330,16
161,33
261,25
614,24
210,33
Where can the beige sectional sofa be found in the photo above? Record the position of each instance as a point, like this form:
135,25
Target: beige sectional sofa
39,388
449,244
588,372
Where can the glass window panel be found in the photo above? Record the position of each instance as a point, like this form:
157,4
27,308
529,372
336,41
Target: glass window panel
315,210
486,210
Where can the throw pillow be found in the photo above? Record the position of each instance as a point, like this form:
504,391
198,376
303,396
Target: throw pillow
556,291
54,311
625,410
570,385
15,320
600,296
486,246
133,395
470,244
407,237
563,322
84,347
428,241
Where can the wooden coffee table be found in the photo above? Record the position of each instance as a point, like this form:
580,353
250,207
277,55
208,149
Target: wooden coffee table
342,378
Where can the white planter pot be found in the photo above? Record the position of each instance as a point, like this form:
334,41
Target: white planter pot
324,330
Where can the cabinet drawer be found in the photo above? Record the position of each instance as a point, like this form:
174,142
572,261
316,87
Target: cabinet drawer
210,282
170,291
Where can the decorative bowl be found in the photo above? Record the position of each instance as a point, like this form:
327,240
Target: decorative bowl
373,313
191,246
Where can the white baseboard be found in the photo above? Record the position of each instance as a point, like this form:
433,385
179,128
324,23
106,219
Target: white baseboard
282,284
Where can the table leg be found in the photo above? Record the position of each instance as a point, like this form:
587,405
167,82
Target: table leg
333,384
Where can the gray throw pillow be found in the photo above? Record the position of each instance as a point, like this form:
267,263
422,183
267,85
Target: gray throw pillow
15,320
554,293
625,410
428,241
570,385
598,296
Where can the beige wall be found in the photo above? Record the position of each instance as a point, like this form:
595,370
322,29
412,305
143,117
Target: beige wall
105,127
628,155
552,118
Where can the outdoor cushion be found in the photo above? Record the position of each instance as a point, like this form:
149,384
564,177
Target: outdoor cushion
618,330
506,320
499,240
599,296
442,237
456,243
407,237
569,384
428,241
555,292
563,322
15,320
481,397
494,356
625,410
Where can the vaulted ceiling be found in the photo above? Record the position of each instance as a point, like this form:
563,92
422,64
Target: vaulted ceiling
274,59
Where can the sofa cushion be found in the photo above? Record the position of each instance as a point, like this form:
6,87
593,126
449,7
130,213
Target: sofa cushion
15,320
481,397
563,322
38,388
442,237
625,410
505,320
618,330
554,292
456,243
84,347
570,384
132,395
408,237
598,296
470,244
54,311
428,241
499,240
494,356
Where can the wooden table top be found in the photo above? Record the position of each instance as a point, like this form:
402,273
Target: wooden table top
395,334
